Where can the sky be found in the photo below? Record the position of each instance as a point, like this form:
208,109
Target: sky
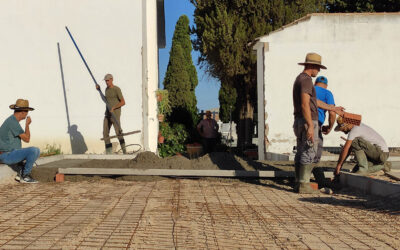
208,87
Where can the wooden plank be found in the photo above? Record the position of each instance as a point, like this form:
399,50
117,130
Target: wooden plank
178,172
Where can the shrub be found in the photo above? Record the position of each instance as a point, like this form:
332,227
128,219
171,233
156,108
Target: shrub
51,150
175,137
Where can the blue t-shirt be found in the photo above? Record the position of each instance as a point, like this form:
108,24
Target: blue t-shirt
325,96
9,134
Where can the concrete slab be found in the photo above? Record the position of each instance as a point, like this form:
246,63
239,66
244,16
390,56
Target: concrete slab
369,185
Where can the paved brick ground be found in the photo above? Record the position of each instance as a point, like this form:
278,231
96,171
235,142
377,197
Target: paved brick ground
181,213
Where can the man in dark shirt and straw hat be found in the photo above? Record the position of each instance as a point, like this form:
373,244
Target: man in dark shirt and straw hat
11,134
306,121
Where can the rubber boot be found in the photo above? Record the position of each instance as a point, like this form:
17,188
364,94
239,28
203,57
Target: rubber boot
109,148
123,148
296,177
375,168
387,167
304,178
122,143
320,177
362,162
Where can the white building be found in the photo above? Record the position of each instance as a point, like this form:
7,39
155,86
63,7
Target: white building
121,37
362,54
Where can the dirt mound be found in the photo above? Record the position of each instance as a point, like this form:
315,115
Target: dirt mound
147,157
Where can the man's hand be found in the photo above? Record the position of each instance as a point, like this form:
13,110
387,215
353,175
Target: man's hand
28,120
310,133
326,129
97,87
339,110
337,170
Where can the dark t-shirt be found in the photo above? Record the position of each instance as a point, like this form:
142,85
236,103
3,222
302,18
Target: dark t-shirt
304,84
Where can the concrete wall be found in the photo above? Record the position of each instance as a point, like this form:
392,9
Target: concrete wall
110,35
362,54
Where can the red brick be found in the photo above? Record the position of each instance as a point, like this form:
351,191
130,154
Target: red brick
59,177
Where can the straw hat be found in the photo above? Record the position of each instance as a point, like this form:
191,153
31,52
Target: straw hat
313,58
341,125
22,105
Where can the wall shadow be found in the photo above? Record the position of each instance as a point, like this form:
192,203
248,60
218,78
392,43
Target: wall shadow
78,144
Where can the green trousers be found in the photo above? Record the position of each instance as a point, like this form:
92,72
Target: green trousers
370,157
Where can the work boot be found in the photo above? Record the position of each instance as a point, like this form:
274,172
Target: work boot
123,148
304,179
375,168
387,167
362,162
109,149
305,188
320,177
296,177
122,143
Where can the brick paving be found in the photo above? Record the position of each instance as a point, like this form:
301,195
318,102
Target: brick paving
198,214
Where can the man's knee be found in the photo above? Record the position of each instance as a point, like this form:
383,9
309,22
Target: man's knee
357,144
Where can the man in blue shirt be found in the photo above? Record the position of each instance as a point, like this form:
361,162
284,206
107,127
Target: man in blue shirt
323,94
11,134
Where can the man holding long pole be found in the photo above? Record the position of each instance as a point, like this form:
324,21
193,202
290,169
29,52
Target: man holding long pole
112,116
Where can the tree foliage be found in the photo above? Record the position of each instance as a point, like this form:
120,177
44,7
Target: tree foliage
225,30
363,5
181,77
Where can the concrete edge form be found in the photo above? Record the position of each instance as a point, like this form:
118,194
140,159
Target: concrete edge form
369,185
179,172
48,159
99,157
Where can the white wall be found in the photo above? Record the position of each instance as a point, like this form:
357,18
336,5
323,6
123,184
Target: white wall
109,34
362,54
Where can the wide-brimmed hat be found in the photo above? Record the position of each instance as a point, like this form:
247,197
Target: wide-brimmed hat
22,105
341,124
313,58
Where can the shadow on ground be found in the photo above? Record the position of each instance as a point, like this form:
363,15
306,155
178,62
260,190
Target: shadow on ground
354,199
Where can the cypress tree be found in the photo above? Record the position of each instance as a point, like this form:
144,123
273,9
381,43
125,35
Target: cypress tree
181,78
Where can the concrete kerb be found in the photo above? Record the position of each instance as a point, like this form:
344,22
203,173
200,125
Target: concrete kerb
271,156
369,185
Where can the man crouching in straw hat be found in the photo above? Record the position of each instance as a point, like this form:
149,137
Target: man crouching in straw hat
370,149
305,125
11,134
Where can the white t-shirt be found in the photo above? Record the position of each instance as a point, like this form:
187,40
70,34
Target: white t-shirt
369,135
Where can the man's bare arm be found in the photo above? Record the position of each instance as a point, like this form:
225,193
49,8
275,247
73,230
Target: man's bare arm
337,109
343,156
27,135
306,110
327,129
